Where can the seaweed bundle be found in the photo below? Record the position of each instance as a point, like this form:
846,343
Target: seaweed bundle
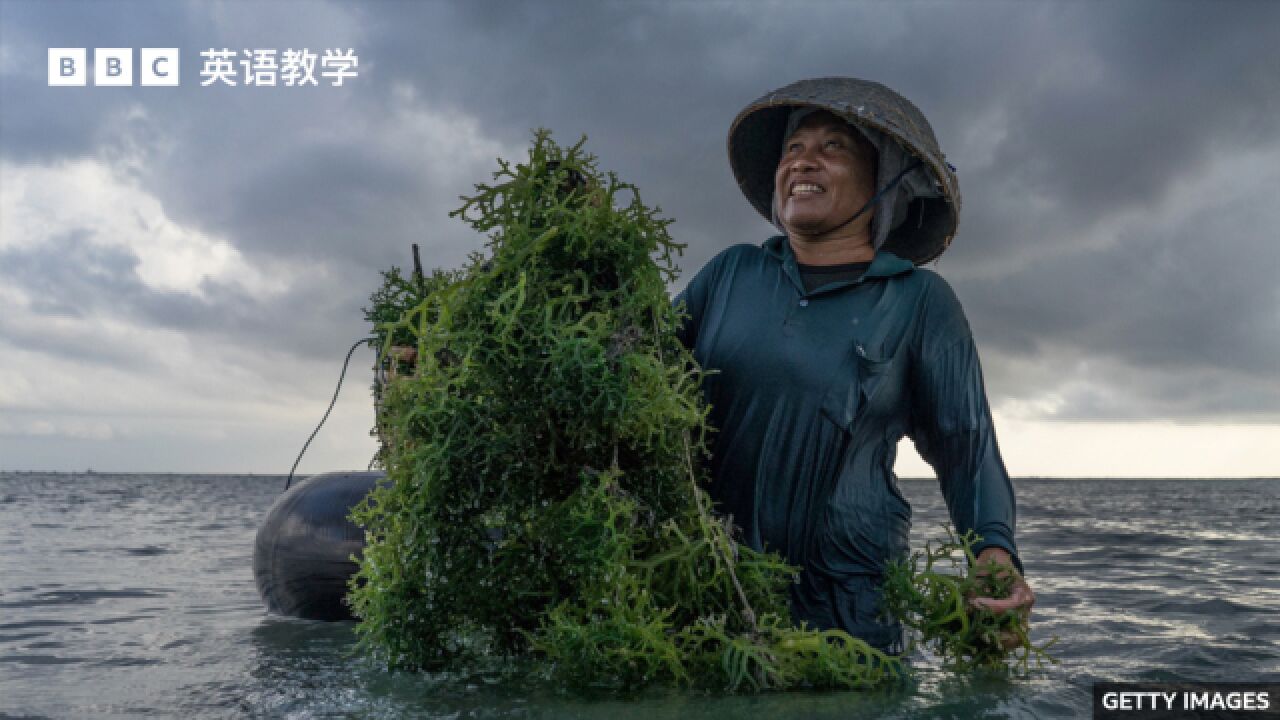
544,463
930,593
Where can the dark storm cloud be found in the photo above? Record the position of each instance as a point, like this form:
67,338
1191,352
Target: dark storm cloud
1175,322
240,164
69,276
1187,299
1125,103
369,187
43,123
1061,117
1098,108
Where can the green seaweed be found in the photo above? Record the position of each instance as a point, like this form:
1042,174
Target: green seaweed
930,591
545,461
545,505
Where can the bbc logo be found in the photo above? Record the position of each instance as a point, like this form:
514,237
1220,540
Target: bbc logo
113,67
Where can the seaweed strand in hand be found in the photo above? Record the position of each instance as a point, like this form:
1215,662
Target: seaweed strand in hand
930,593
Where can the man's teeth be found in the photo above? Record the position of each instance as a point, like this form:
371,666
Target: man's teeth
805,188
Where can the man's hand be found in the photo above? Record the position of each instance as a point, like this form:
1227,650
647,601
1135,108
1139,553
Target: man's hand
1021,598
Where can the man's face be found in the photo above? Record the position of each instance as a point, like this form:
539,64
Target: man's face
826,174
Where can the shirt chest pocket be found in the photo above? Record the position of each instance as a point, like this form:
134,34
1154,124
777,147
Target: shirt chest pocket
859,387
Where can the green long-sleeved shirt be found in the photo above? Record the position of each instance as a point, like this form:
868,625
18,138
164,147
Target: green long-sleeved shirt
811,394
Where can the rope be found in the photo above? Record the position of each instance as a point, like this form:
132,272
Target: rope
887,187
332,402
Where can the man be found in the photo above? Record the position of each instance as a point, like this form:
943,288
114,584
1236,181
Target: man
829,345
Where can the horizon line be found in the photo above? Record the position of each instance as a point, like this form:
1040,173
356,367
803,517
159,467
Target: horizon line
913,478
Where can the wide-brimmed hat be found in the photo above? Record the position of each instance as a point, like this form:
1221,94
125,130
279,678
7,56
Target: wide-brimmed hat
917,218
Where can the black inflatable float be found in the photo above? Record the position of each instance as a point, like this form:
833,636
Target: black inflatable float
302,555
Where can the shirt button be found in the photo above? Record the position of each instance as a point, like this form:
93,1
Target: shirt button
804,302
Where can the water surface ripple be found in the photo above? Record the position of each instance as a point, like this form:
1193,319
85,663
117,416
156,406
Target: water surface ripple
128,595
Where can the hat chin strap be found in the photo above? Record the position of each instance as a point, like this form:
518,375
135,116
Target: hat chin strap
876,198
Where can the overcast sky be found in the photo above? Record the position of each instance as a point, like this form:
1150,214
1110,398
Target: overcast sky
183,268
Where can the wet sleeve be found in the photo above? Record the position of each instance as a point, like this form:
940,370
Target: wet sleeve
695,297
952,428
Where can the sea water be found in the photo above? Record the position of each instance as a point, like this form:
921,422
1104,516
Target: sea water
133,595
